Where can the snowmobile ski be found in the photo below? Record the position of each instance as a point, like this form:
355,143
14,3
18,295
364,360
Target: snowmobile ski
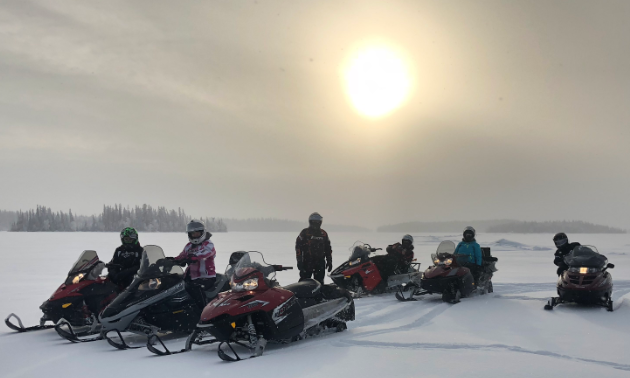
20,327
65,330
122,345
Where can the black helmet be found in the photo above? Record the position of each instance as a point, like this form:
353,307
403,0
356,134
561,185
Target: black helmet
560,239
408,239
196,231
469,233
129,235
315,220
236,257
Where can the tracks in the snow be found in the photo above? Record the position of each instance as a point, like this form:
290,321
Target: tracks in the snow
503,347
376,313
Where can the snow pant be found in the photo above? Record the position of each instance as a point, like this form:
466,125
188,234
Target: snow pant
386,265
318,271
475,270
197,289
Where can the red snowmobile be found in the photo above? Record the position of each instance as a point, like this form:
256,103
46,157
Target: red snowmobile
77,301
450,278
360,274
258,310
586,281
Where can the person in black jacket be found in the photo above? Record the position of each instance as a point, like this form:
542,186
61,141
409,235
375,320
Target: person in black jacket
313,251
564,247
126,260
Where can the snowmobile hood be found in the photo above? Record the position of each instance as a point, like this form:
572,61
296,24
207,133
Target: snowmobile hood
133,300
239,303
73,289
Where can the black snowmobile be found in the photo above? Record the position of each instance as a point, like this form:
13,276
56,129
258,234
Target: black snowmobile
156,302
77,302
586,281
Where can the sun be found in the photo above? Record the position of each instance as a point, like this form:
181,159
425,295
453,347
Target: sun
377,79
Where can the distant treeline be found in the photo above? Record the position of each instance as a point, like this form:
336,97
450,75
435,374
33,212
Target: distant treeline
283,225
574,227
112,219
450,226
503,226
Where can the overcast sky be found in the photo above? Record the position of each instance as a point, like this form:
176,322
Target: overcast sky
519,109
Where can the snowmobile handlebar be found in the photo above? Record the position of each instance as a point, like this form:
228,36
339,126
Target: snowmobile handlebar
279,268
375,249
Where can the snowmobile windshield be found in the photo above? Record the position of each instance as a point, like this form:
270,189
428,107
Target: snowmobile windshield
445,246
586,256
250,262
234,259
86,262
153,265
359,250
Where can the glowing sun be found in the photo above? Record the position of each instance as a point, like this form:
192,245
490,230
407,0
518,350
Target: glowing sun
377,80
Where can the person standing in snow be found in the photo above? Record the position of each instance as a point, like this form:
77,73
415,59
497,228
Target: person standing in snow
126,260
199,254
313,251
561,240
469,246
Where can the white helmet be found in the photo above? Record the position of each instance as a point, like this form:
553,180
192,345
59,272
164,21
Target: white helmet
315,217
194,226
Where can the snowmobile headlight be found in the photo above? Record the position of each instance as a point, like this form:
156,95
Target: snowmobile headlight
77,278
436,261
448,261
355,262
246,285
150,284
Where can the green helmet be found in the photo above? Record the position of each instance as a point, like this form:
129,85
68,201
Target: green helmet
129,233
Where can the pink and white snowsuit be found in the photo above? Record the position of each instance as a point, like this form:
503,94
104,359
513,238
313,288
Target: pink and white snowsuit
203,259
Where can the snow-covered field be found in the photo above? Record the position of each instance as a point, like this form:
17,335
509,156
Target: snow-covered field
505,334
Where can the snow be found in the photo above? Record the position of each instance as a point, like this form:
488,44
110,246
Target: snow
502,334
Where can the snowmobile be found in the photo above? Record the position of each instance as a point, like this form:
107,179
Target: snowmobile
360,274
155,303
77,301
450,278
258,310
586,281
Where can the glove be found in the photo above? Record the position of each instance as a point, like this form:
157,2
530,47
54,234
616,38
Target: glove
329,265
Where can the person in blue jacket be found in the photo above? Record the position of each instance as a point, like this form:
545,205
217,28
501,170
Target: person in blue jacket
469,246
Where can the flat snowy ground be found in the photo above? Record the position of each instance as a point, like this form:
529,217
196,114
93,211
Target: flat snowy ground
505,334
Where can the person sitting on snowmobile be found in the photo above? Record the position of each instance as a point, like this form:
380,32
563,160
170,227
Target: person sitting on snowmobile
469,246
399,255
313,251
564,247
199,254
126,260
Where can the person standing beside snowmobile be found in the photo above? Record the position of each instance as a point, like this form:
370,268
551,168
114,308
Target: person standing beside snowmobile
199,254
313,251
561,240
126,260
469,246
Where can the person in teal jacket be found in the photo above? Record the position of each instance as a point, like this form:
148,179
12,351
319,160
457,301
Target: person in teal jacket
469,246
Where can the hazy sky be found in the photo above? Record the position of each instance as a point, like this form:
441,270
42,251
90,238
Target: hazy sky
519,109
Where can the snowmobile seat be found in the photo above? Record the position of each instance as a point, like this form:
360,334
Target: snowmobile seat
306,288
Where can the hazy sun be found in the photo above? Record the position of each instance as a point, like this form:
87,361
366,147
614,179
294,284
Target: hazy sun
377,80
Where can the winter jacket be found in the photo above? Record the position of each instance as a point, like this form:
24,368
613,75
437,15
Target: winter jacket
563,251
312,246
403,255
472,249
202,256
126,262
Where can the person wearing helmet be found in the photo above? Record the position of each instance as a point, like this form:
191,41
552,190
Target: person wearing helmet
399,256
469,246
313,251
199,255
561,240
126,260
